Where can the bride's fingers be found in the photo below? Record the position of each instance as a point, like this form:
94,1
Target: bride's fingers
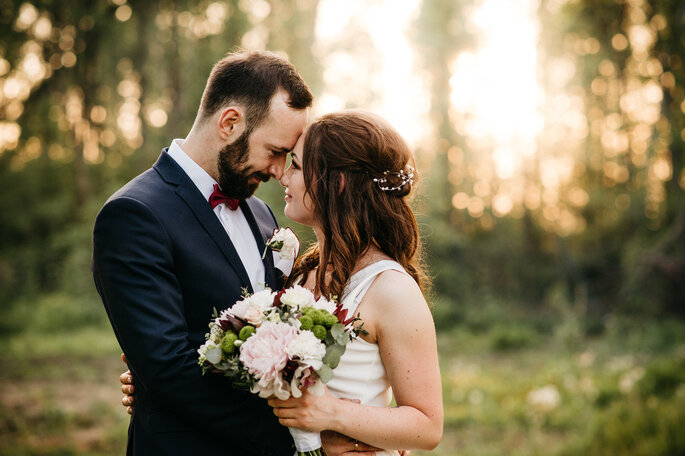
129,410
123,358
127,401
278,403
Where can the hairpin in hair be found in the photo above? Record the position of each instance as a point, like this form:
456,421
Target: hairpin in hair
403,178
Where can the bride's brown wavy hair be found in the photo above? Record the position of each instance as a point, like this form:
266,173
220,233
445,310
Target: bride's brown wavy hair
343,153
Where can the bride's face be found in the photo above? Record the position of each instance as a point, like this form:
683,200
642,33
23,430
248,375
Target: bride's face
298,207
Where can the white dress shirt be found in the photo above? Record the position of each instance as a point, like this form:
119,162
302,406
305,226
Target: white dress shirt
233,221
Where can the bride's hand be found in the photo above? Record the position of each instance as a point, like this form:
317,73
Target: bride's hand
126,379
309,412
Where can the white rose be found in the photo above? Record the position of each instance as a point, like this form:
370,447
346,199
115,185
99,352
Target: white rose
253,308
297,297
286,242
264,298
307,348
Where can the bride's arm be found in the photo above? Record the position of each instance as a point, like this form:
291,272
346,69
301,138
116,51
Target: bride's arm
401,321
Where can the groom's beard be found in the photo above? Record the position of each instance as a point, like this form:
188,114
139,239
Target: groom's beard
234,173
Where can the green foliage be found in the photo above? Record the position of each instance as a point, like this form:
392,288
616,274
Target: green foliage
637,428
512,337
663,378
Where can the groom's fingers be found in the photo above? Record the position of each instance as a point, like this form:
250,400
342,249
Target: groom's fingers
126,378
128,389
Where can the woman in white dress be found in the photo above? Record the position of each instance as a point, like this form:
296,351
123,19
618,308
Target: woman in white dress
349,180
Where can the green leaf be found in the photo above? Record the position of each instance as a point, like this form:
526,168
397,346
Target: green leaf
338,333
333,354
325,373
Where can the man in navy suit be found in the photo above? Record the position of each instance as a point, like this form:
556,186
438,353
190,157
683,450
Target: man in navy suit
164,258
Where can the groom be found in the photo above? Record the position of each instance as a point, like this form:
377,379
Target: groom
172,245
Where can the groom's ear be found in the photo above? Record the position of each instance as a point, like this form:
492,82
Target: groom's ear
231,124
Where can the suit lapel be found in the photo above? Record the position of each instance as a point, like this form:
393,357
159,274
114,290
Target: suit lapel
261,234
186,189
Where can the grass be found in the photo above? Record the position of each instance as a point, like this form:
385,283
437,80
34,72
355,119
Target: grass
509,388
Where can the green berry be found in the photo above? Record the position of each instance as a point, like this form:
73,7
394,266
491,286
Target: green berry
228,343
306,310
330,320
246,332
319,331
317,317
306,322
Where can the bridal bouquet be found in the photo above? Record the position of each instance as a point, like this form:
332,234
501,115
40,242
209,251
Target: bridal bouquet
278,344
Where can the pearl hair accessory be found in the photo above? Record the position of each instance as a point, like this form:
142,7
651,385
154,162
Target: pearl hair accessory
403,178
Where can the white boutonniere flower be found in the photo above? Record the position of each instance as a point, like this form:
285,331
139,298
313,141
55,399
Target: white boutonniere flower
285,246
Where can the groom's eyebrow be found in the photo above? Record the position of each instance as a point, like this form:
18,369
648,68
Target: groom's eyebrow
283,150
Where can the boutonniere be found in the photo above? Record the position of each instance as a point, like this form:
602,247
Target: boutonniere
287,244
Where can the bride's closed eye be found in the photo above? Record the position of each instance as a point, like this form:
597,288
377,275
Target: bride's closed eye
295,162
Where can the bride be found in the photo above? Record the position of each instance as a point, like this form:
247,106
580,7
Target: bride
349,180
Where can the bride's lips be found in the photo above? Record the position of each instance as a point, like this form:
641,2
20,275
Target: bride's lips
288,197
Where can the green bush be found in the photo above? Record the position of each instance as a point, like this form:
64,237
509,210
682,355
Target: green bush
511,337
638,428
662,378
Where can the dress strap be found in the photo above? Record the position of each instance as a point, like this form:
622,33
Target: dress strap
361,281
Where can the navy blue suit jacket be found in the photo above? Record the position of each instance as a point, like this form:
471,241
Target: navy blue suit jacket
162,262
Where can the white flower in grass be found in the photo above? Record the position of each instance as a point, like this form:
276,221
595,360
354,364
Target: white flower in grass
544,399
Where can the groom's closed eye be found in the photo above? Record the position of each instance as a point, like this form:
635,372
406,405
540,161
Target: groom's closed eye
279,151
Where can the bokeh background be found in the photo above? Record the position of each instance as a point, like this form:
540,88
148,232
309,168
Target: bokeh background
549,138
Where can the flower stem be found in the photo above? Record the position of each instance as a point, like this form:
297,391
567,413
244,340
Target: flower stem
318,452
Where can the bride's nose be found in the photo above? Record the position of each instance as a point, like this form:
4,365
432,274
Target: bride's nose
284,178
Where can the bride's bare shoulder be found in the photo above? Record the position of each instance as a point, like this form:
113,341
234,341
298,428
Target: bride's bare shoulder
395,288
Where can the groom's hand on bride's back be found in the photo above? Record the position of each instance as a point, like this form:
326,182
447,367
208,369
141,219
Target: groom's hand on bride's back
337,444
126,379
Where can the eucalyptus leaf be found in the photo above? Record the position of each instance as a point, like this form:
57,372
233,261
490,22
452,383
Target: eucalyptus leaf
338,333
333,354
325,373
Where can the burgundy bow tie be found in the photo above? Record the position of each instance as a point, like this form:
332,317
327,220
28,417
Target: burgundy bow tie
218,197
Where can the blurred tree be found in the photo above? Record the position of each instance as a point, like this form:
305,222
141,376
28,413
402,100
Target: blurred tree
627,56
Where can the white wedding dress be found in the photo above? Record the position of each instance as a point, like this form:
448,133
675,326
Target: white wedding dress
361,374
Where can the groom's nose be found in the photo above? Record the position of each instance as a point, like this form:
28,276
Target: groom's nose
277,167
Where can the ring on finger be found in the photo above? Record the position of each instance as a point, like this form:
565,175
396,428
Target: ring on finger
356,445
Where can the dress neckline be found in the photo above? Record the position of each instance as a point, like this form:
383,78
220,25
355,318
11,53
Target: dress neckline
375,263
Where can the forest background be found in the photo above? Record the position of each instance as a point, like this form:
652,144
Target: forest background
549,140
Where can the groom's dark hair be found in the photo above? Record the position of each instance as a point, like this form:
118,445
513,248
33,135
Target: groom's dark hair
251,79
